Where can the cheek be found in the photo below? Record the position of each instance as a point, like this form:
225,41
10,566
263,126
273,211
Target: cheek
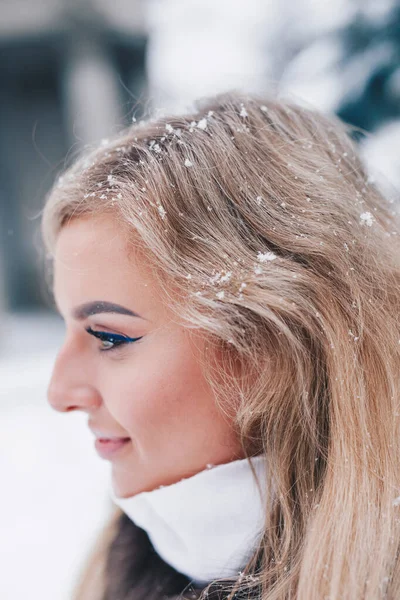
161,392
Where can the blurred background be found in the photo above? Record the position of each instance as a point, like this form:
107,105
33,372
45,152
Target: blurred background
72,72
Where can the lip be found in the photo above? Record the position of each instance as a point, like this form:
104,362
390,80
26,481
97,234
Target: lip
108,448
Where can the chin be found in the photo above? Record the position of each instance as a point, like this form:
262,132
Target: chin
121,486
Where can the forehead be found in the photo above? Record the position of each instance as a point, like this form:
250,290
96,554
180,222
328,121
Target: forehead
84,238
94,261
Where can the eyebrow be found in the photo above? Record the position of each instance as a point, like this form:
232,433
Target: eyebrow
101,306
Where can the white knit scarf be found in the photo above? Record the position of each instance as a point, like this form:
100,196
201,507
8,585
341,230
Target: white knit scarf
205,526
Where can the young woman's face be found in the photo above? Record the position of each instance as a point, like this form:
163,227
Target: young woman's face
149,388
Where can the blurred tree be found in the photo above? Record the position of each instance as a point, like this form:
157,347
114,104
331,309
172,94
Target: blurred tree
372,48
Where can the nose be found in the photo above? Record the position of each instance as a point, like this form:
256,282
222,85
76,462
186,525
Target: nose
81,397
69,387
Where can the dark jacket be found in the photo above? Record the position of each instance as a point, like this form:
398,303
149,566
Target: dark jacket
136,572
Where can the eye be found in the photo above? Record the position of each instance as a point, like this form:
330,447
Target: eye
110,341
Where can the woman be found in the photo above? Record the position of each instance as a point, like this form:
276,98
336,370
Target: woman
230,281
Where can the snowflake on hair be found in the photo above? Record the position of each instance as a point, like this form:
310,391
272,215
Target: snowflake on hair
202,124
154,146
161,210
366,218
243,111
266,256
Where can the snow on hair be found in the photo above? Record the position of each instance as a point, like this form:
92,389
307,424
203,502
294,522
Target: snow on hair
266,234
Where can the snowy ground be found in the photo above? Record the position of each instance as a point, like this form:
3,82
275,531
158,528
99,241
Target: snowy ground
55,487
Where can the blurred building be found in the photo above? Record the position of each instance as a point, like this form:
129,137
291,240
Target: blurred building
71,73
74,71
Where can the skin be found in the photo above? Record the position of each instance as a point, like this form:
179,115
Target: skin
152,390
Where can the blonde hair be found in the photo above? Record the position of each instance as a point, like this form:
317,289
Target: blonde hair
259,213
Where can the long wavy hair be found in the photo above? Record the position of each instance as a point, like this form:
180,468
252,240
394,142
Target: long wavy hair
266,233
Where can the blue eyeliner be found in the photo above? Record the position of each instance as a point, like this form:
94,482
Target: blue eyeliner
113,338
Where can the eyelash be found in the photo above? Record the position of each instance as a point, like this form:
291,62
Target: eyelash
116,339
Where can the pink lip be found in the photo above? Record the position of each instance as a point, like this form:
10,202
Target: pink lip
108,448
